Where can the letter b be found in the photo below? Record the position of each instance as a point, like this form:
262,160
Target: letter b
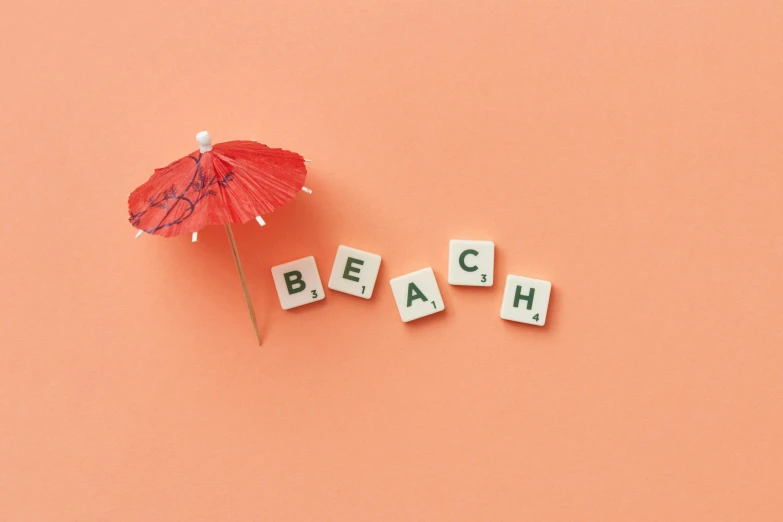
294,282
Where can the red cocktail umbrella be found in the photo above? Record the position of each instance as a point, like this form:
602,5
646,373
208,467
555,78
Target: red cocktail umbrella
231,182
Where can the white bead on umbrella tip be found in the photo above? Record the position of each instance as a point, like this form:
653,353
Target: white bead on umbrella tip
139,233
194,237
305,189
204,141
260,221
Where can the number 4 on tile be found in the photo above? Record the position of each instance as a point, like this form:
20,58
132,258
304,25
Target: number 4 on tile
525,300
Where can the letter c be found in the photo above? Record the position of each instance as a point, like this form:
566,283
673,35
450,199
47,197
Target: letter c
462,264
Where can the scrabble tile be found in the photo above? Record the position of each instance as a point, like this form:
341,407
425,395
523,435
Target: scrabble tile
471,263
525,300
298,283
354,271
417,294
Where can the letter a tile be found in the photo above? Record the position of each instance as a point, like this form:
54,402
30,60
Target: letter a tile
417,294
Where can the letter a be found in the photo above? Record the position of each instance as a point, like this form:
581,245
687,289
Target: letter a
414,293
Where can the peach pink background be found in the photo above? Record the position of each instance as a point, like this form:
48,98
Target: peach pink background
630,152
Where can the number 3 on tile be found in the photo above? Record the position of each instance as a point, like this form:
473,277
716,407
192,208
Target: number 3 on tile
315,293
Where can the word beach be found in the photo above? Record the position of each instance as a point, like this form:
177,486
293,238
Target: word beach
471,263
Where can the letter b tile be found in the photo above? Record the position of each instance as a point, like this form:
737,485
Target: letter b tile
525,300
417,294
298,283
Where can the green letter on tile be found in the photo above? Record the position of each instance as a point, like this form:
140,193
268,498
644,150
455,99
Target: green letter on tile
294,282
414,293
465,267
519,297
349,268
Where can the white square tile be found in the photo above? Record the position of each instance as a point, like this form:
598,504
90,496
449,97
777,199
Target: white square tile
354,271
471,263
417,294
298,283
525,300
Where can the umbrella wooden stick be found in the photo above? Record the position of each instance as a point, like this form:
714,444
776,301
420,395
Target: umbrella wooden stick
244,282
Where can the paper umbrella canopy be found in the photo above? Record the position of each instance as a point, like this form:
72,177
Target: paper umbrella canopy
227,183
